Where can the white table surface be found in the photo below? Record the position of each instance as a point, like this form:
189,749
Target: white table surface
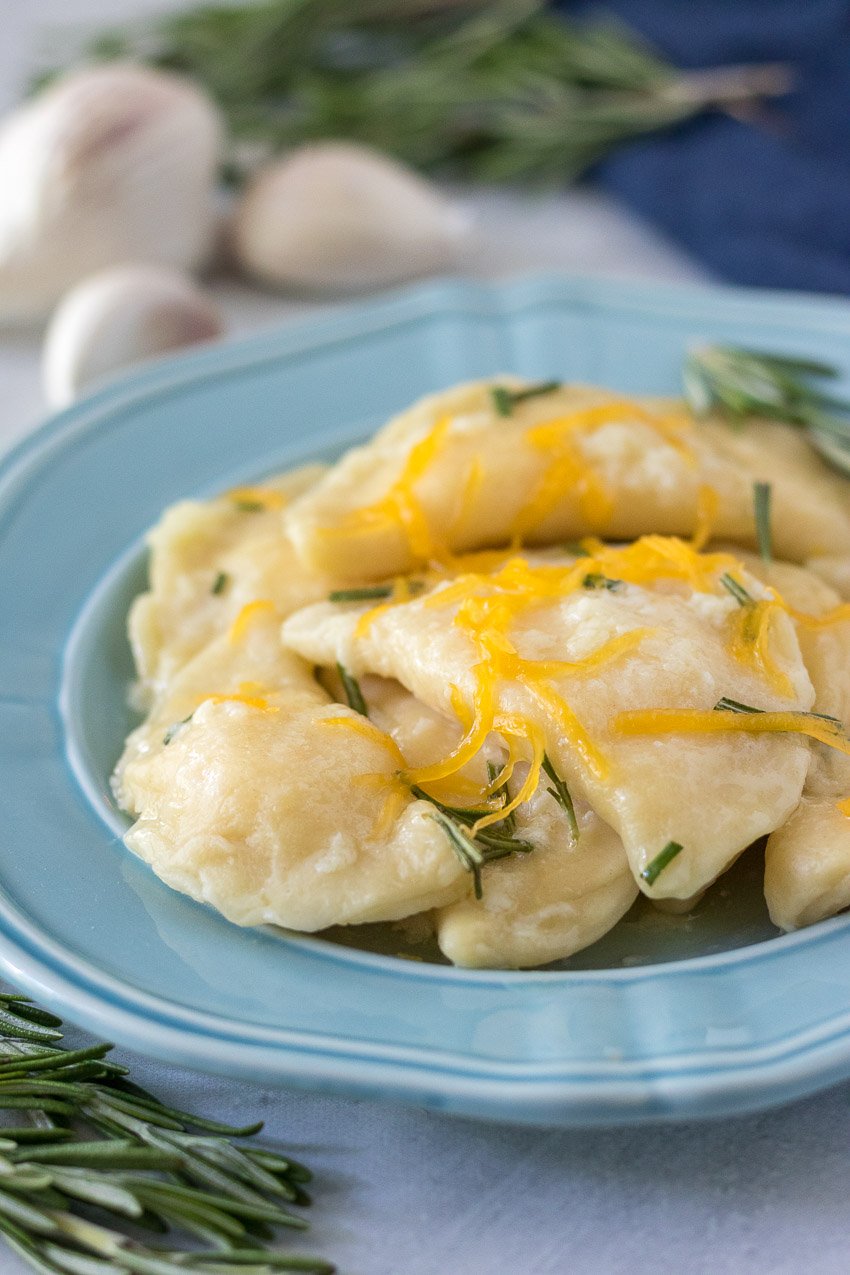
403,1192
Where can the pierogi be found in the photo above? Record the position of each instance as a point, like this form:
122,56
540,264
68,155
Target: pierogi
504,667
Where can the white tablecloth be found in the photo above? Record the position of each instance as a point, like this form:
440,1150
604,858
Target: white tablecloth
402,1192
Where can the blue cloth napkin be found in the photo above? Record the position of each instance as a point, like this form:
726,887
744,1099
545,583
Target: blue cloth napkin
766,203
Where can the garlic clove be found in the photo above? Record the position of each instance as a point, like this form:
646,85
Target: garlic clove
337,216
120,317
110,164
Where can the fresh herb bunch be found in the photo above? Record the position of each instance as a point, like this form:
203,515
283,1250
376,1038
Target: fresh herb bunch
740,383
99,1162
492,91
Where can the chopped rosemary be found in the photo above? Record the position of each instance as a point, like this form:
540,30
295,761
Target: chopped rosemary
220,583
576,548
174,728
504,400
353,693
470,854
249,506
561,793
595,580
368,593
656,866
761,502
95,1140
485,847
726,705
739,593
501,793
374,592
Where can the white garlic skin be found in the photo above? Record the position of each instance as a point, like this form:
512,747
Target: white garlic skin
340,217
110,164
120,317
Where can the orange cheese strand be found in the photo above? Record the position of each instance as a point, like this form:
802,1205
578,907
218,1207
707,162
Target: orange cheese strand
471,743
257,496
569,469
836,616
400,506
688,721
246,617
751,644
360,725
844,806
708,505
396,795
532,779
250,701
573,731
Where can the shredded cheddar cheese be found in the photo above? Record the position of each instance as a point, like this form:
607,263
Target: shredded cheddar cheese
667,721
246,617
362,726
401,507
844,806
250,701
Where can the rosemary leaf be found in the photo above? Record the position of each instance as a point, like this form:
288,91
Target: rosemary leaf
366,594
469,854
504,400
174,728
220,583
761,502
739,593
656,866
595,580
561,793
353,693
725,705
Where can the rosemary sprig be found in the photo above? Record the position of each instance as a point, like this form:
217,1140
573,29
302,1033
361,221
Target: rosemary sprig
474,852
762,493
504,400
96,1141
739,383
561,793
656,866
493,91
175,727
353,693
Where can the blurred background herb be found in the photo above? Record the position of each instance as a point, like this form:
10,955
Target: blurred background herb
489,91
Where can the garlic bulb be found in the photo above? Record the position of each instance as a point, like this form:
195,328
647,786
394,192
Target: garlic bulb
110,164
120,317
338,216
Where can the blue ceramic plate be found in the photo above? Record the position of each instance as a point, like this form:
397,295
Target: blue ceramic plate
671,1017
